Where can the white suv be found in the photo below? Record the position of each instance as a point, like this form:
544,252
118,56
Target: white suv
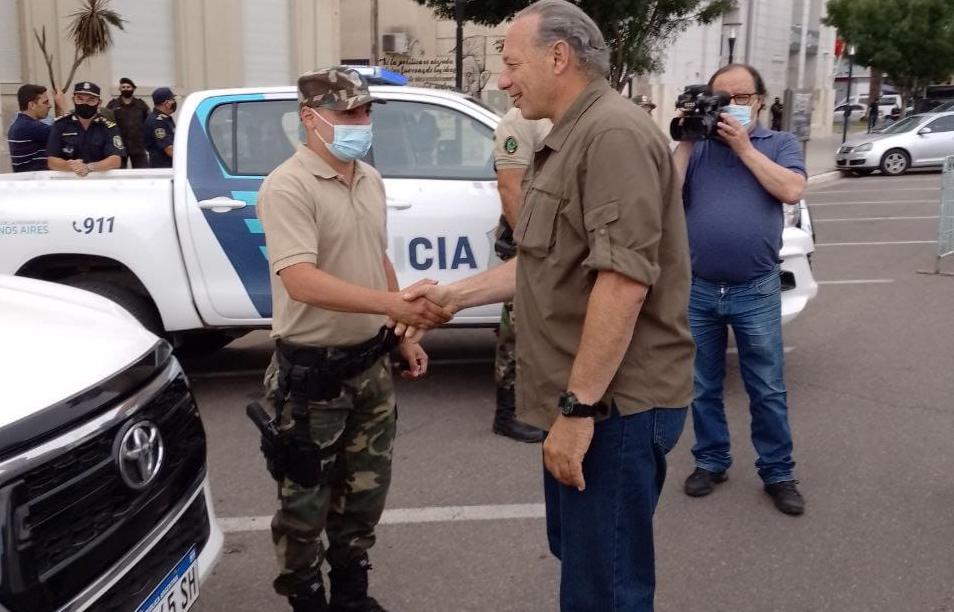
103,484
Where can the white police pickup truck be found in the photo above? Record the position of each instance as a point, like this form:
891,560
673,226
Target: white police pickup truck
184,252
104,497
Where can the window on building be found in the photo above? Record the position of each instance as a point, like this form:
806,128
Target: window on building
145,49
266,42
9,42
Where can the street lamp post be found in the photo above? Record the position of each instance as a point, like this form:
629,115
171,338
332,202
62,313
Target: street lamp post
848,105
732,36
459,56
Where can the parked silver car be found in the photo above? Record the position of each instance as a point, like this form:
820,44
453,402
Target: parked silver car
914,142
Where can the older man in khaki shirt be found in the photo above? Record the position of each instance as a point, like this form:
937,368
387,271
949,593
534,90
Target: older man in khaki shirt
602,286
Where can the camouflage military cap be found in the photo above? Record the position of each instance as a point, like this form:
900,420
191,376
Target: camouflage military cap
337,88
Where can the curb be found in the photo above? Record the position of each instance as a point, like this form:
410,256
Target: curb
824,177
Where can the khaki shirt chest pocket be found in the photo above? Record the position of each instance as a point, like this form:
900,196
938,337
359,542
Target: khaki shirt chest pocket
536,228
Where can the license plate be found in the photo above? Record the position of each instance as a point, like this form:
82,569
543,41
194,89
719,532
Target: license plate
179,590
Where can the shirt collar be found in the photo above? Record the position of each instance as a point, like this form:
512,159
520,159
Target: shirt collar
761,132
319,167
561,130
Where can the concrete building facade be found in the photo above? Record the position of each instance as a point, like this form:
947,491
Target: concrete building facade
184,44
203,44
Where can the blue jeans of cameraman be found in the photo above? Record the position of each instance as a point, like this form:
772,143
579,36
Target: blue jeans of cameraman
603,536
753,310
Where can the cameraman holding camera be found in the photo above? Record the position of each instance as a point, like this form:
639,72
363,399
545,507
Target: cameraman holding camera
737,175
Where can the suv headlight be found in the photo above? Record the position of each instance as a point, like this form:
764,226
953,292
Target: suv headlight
863,148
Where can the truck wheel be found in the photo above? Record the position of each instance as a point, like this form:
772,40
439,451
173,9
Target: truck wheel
895,162
138,306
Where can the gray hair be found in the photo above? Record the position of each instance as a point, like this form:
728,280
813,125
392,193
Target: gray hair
562,20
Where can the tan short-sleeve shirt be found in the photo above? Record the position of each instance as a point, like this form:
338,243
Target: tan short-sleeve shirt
603,196
516,139
311,216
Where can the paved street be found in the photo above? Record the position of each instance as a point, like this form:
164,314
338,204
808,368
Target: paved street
870,387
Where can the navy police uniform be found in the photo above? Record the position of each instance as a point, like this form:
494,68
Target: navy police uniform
159,134
69,140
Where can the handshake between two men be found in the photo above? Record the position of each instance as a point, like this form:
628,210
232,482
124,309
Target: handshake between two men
422,307
427,304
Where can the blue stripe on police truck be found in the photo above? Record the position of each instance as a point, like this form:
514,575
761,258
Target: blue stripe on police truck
209,178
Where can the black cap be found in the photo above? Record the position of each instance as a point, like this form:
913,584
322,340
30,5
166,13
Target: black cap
161,94
87,88
127,81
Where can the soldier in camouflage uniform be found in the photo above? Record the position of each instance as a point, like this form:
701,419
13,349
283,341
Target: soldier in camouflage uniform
516,140
329,383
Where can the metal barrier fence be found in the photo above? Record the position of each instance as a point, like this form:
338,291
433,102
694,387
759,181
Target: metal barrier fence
945,217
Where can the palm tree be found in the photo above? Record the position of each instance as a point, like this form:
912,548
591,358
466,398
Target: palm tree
91,33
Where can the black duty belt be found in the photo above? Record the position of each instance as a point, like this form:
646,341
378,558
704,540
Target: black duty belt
341,362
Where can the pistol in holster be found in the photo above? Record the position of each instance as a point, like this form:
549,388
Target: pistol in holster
272,443
311,374
504,246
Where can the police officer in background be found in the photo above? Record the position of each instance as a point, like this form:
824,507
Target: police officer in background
515,141
329,382
130,113
84,141
160,128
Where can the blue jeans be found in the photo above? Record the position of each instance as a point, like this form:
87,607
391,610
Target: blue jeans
754,311
603,535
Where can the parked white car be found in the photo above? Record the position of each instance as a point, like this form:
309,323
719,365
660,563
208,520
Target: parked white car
858,112
182,248
917,141
102,460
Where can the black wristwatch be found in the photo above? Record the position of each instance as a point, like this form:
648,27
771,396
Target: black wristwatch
572,407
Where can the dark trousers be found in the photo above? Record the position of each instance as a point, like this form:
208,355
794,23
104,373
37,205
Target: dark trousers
136,160
603,535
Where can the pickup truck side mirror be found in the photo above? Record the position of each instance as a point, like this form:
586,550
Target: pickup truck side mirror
925,130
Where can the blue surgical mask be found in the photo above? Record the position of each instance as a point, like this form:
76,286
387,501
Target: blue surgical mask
351,142
741,113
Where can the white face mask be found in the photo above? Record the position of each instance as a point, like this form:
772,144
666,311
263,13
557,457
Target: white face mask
741,113
351,142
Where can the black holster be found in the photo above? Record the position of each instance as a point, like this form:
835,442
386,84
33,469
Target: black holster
314,374
272,443
504,246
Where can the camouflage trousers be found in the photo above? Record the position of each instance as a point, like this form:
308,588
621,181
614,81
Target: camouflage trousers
505,361
361,422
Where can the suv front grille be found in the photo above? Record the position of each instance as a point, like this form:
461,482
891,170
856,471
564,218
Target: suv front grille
192,528
73,517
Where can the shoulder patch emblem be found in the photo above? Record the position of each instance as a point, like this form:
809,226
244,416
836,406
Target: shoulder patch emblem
510,145
159,133
118,142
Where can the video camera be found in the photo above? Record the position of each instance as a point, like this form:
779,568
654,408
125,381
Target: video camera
700,113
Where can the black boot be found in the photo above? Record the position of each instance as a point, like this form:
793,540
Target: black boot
312,600
506,423
349,588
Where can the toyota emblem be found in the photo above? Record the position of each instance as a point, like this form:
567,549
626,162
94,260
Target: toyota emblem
140,453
